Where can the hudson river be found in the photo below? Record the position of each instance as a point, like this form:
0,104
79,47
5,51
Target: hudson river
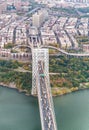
20,112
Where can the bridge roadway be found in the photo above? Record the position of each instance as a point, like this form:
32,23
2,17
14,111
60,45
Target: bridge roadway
45,103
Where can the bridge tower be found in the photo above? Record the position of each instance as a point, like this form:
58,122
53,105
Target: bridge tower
43,55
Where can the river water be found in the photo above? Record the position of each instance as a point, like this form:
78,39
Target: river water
20,112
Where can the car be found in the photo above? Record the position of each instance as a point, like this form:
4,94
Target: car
42,75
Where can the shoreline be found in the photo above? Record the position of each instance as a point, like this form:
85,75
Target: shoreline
13,86
79,89
55,91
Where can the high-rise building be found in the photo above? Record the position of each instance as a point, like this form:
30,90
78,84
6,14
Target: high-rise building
36,20
39,17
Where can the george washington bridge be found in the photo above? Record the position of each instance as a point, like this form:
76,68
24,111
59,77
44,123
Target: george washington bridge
41,88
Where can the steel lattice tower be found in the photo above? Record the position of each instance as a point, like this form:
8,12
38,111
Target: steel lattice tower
43,55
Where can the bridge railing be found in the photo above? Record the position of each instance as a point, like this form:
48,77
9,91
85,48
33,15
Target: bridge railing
51,101
39,101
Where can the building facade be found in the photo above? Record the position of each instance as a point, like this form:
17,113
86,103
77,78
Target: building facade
39,17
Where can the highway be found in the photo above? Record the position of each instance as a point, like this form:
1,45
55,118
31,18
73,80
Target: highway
58,49
67,53
45,104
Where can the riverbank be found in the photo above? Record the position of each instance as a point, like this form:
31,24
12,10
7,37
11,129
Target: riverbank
62,91
56,91
12,85
66,75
